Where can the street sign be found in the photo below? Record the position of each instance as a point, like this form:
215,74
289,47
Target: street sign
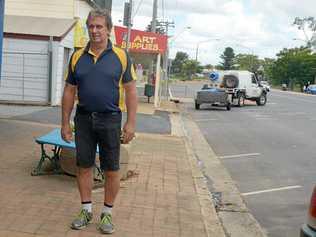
214,76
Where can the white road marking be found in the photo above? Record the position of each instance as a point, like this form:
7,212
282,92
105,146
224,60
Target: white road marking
239,155
205,120
271,190
263,118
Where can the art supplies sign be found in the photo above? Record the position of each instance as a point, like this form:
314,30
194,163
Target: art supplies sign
141,41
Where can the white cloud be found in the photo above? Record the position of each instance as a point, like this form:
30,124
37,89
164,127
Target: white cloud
249,26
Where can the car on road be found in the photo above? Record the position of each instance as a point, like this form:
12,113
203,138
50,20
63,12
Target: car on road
309,229
265,85
214,96
231,87
311,89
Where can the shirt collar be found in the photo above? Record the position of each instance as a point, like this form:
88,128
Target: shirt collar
109,47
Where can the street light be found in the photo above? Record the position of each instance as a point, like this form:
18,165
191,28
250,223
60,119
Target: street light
251,51
177,35
167,66
198,44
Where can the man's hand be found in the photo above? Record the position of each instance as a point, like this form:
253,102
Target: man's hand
128,132
66,133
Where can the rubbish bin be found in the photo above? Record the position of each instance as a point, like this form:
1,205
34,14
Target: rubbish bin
149,91
284,87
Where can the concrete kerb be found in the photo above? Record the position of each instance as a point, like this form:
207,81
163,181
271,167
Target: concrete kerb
232,212
212,224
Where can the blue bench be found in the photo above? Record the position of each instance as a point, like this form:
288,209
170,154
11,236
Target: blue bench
53,139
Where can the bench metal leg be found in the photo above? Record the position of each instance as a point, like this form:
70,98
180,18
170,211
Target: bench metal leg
54,159
99,173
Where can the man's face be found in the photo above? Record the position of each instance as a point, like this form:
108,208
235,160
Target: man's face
98,32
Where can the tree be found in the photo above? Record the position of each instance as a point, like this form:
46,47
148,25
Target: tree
228,59
191,67
208,66
247,62
304,24
294,66
178,62
268,64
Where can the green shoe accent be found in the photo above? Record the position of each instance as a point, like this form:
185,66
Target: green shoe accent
105,225
82,220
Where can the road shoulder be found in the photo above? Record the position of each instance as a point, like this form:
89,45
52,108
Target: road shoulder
230,206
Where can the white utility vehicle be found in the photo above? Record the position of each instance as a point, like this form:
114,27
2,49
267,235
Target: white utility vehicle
231,87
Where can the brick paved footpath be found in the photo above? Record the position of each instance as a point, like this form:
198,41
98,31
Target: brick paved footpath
161,199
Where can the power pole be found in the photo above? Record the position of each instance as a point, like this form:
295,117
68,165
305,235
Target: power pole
108,5
153,29
1,30
129,26
167,25
154,18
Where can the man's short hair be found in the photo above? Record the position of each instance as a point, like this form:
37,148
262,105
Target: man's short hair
103,13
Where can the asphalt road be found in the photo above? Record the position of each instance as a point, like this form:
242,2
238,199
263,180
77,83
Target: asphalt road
269,152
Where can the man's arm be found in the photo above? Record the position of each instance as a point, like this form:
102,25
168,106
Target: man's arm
131,105
67,106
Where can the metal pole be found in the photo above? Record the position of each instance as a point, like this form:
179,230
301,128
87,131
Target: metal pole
157,99
165,66
50,69
153,29
108,5
196,51
129,25
154,18
1,31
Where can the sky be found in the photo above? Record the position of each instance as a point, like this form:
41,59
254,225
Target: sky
260,27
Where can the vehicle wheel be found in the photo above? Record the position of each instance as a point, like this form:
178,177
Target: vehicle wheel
262,100
228,106
197,106
241,100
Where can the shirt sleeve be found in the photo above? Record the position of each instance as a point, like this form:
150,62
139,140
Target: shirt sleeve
70,74
129,74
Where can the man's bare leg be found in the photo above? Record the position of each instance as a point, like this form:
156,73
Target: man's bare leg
111,186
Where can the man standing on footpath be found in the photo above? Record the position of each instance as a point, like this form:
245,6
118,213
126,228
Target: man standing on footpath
99,73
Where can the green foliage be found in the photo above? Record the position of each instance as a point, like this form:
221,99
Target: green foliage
208,66
301,23
304,24
182,66
268,64
294,66
178,62
191,67
247,62
228,59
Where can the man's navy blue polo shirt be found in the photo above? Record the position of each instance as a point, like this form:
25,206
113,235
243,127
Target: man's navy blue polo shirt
100,80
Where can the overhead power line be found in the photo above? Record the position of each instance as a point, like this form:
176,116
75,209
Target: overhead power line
137,8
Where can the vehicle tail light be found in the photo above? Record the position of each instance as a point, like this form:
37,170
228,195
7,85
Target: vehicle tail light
312,206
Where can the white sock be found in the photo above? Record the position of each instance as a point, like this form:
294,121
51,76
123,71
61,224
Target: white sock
107,209
87,206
